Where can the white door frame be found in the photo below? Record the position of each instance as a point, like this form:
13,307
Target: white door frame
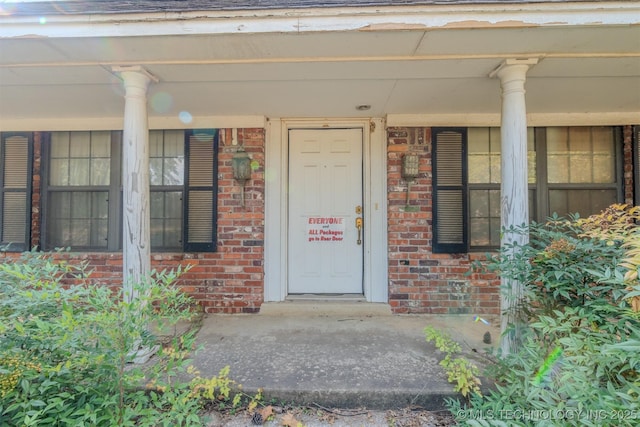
376,287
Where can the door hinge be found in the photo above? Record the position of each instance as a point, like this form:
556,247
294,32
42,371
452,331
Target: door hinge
372,126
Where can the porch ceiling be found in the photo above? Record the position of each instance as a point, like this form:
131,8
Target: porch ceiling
582,69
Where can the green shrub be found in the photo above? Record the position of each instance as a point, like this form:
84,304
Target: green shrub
461,372
66,350
579,361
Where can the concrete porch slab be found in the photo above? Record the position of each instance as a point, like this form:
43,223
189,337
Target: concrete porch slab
337,354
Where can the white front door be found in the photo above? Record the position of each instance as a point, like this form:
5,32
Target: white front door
325,250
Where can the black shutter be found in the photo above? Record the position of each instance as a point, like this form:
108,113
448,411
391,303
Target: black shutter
15,188
200,202
449,190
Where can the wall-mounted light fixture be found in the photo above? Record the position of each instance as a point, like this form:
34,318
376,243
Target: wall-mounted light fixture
410,171
241,165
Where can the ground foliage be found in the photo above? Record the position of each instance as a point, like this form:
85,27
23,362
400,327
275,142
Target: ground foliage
66,350
579,358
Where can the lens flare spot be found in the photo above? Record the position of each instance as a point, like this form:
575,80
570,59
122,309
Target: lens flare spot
185,117
480,319
549,367
42,20
161,102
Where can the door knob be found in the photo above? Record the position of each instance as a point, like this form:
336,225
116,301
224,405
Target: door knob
359,227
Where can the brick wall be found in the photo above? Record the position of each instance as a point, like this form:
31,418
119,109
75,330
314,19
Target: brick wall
230,280
423,282
420,281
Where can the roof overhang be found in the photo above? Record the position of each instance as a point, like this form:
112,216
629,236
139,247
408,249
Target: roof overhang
415,65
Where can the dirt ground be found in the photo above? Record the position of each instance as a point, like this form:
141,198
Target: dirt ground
275,416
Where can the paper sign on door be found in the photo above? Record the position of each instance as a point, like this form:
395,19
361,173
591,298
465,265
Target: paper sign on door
325,229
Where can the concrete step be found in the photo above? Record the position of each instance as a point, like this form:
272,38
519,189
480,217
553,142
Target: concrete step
324,307
335,356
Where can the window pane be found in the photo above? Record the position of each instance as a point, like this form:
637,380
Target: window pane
581,155
59,233
173,171
167,169
167,158
81,205
479,170
173,233
79,172
59,173
604,168
80,158
60,144
174,143
484,155
479,203
484,208
100,144
583,202
478,140
494,203
603,140
557,139
558,168
480,232
156,202
604,154
99,205
155,171
100,171
155,143
80,232
173,205
531,156
479,162
580,168
156,232
59,220
78,219
494,233
99,232
531,167
580,140
166,219
80,144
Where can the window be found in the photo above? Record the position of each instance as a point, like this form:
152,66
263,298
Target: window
80,190
484,146
166,163
16,154
581,169
84,196
571,170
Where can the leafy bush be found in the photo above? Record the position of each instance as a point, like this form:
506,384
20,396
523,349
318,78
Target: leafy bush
579,360
66,350
460,371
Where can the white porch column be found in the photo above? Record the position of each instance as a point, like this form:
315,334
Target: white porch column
136,253
514,183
